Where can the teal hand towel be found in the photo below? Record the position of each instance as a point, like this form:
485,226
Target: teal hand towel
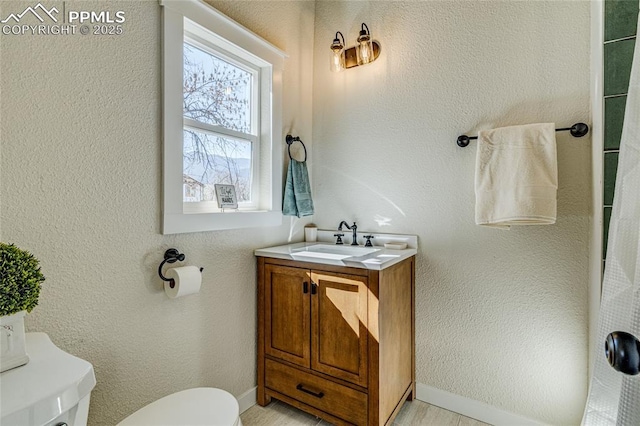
297,191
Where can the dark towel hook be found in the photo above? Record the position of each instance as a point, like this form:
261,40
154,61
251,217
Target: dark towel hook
290,140
578,130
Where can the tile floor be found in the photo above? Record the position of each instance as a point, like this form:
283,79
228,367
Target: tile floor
412,413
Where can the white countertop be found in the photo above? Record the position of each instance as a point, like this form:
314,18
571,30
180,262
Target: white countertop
379,259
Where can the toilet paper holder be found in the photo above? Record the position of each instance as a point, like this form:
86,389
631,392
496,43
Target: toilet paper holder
171,256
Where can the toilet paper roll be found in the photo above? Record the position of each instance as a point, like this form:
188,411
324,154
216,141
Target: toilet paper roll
187,280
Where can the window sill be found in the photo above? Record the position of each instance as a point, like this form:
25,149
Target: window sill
207,207
182,223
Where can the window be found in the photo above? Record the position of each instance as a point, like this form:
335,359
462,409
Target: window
222,121
220,137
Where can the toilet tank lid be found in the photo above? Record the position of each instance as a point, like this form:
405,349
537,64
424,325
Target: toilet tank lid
51,383
197,406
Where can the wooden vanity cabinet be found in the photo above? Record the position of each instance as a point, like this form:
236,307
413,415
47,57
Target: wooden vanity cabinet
336,342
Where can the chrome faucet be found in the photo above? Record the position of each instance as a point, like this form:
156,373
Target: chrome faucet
353,229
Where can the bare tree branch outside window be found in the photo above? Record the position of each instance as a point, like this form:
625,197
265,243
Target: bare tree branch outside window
215,92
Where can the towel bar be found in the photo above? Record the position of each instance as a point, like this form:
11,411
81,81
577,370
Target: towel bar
578,130
290,140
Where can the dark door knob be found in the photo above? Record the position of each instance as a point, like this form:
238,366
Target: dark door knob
623,352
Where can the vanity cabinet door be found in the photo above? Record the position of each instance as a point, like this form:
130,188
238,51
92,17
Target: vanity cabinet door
287,322
339,330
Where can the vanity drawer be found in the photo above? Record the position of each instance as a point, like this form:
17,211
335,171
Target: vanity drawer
325,395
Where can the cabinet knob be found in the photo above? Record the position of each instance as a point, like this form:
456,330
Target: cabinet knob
305,287
314,288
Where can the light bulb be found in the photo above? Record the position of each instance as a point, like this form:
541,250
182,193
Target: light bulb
337,61
365,54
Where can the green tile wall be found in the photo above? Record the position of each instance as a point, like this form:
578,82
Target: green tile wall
620,23
610,170
618,56
613,118
605,224
620,19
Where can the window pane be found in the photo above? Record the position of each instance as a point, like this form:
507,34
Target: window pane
209,159
215,91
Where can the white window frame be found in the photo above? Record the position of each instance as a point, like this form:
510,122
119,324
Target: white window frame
194,19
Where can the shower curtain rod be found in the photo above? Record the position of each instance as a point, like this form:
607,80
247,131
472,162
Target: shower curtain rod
578,130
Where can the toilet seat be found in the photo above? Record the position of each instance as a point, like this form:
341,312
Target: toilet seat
198,406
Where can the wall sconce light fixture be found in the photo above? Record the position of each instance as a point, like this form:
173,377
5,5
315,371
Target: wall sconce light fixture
365,51
336,63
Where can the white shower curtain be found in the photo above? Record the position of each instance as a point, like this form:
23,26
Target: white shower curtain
614,398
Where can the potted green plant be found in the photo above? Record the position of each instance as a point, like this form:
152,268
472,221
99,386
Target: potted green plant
20,283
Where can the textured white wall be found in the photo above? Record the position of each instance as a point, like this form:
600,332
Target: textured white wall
81,188
501,316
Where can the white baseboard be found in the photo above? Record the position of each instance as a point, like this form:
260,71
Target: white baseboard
459,404
248,399
471,408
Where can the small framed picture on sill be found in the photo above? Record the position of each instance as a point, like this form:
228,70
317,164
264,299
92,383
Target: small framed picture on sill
226,196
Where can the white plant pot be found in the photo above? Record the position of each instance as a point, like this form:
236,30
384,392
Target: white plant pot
13,352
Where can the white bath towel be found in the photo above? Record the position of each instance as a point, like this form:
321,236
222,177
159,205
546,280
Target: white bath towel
516,176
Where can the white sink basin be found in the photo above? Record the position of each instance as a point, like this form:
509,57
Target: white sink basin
332,251
327,253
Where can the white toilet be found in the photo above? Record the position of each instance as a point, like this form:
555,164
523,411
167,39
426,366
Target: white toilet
54,388
198,406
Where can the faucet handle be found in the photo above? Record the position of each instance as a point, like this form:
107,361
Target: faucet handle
339,240
368,238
